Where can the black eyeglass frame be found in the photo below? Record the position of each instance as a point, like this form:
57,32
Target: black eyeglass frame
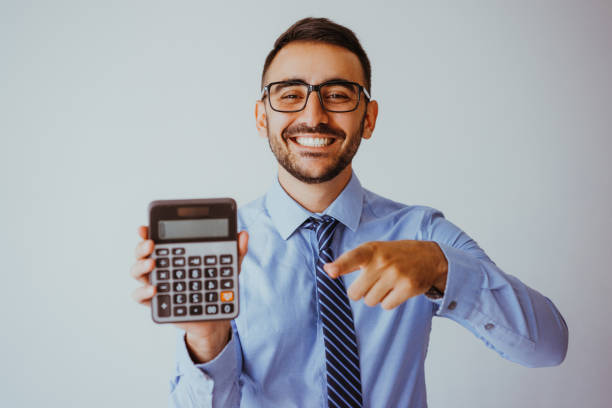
315,88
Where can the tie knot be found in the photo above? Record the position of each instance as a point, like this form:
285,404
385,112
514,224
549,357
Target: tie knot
325,222
324,228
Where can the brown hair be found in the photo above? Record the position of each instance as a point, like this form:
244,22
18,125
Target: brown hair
325,31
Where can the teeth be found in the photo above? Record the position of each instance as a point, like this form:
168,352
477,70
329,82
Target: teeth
314,141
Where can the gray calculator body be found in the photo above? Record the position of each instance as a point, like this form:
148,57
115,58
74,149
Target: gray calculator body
196,260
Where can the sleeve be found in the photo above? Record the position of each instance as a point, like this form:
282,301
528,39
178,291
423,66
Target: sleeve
516,321
212,384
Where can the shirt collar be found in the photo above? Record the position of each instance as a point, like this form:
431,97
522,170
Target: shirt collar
287,215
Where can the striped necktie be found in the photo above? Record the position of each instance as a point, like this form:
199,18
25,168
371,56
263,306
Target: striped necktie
341,354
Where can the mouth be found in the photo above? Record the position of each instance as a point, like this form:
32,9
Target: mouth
309,141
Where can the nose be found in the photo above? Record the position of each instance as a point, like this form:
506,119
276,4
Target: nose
313,112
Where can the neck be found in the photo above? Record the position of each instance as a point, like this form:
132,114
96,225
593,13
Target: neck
314,197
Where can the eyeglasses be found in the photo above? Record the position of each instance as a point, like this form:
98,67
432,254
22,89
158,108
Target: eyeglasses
335,96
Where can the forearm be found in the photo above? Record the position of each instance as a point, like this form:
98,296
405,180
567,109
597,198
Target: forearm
518,322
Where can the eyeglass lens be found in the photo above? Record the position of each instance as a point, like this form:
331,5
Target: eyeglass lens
336,97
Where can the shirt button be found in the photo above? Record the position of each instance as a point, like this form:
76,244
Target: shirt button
489,326
452,305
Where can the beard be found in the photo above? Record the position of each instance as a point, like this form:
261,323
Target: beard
287,159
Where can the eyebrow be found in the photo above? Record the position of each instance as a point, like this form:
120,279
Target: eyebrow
301,80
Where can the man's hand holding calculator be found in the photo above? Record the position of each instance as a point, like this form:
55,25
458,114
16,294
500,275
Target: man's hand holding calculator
205,339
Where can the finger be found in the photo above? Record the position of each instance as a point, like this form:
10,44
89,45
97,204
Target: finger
143,294
144,249
143,232
396,297
141,269
378,291
243,247
363,283
350,261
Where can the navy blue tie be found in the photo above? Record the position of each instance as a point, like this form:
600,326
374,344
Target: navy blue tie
341,354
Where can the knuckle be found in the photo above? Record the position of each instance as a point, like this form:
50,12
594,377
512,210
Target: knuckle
388,305
134,270
354,293
371,247
394,273
368,300
136,295
405,286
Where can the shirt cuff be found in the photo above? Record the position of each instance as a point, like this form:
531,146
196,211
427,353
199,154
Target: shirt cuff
219,373
463,284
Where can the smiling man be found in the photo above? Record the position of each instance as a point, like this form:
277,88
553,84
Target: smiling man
339,286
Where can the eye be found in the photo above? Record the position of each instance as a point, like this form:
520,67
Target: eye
337,95
291,96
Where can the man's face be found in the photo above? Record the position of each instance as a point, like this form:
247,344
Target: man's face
314,145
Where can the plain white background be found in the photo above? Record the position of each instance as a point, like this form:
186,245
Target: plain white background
497,113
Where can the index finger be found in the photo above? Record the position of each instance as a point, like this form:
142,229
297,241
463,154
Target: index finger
350,261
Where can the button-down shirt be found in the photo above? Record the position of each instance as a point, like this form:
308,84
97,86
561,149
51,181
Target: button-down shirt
276,355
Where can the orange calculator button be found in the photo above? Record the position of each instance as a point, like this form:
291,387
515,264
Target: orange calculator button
227,296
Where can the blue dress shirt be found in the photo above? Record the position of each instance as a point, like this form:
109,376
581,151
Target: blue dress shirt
276,355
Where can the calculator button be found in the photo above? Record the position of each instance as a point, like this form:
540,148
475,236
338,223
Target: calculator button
195,285
227,284
178,273
211,297
178,251
162,251
163,305
212,309
227,271
195,298
178,261
163,287
211,284
227,308
162,262
195,310
163,274
180,299
226,259
179,286
180,311
195,261
210,272
227,296
195,273
210,259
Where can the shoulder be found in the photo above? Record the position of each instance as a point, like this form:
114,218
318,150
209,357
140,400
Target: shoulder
377,207
390,219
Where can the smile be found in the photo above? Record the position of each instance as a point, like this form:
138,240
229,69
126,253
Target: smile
314,141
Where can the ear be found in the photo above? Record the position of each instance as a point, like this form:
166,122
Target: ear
260,119
370,119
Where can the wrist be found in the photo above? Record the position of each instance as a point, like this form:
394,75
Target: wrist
205,349
441,269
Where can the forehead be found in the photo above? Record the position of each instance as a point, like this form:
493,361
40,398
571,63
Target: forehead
314,63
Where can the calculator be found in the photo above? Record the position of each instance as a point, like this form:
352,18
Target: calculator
196,260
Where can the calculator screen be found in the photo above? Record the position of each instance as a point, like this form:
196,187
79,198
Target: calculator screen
194,228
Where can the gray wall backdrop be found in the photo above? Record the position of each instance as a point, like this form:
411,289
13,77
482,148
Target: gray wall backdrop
497,113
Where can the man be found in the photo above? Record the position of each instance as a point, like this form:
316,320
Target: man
299,340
